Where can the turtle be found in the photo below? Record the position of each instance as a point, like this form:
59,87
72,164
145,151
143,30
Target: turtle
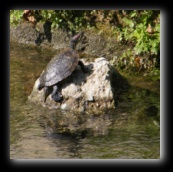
59,68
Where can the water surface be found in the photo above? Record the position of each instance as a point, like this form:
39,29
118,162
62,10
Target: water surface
131,131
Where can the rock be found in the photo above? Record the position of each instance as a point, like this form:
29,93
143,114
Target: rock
45,36
96,89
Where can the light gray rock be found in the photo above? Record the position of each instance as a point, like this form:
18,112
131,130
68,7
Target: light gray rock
96,89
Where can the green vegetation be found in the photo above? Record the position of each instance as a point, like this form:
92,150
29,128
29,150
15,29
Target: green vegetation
139,29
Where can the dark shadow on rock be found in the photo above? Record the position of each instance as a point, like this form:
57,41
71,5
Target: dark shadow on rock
47,35
40,38
47,30
78,77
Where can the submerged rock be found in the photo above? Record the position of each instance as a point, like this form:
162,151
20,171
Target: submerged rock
96,89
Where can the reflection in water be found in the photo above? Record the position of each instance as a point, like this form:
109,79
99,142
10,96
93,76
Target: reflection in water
130,131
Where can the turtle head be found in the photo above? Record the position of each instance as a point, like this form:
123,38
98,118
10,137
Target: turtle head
75,39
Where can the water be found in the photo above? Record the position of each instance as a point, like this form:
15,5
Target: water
131,131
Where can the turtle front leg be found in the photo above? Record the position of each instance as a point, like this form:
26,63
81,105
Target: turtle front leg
56,95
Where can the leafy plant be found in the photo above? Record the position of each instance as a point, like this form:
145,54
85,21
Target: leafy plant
137,27
15,16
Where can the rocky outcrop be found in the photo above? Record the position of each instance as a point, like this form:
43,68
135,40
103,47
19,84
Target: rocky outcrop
45,36
96,89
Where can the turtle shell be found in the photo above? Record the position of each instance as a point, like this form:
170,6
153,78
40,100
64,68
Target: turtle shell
59,68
